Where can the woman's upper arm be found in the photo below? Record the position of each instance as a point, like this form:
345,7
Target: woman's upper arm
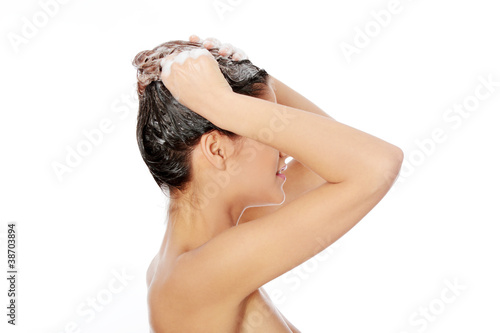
285,95
242,258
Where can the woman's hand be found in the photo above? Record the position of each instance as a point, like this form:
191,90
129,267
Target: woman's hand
225,50
195,80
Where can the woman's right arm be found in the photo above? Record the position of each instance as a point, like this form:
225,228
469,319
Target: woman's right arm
335,151
358,167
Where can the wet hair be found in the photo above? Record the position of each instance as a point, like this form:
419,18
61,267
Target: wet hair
167,131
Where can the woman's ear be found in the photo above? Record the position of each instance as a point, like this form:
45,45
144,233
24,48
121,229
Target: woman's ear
216,148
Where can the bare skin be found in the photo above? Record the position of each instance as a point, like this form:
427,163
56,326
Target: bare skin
208,273
256,312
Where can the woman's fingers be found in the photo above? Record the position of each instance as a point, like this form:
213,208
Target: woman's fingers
225,49
194,79
212,43
209,43
239,55
179,57
166,63
194,38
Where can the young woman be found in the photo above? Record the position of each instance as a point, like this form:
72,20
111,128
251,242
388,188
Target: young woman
214,131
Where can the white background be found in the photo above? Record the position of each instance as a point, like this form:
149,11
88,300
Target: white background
439,223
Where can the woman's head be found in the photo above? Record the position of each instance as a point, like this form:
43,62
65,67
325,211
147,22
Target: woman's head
167,131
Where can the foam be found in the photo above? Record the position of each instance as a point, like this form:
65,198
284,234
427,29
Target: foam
195,53
239,53
214,41
228,48
181,58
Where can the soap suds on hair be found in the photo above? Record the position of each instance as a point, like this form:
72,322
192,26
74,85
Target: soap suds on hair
181,58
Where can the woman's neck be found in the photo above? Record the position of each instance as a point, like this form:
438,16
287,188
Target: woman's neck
190,227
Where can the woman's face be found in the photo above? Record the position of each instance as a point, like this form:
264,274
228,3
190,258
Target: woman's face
259,164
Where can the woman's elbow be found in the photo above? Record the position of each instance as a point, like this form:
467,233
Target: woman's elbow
389,170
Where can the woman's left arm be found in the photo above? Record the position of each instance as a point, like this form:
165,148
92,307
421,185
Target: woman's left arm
299,178
289,97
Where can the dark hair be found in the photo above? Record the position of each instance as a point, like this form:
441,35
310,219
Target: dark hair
167,131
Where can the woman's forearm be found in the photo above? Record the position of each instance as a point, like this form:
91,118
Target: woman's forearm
289,97
335,151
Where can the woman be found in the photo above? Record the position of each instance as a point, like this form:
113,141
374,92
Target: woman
214,131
